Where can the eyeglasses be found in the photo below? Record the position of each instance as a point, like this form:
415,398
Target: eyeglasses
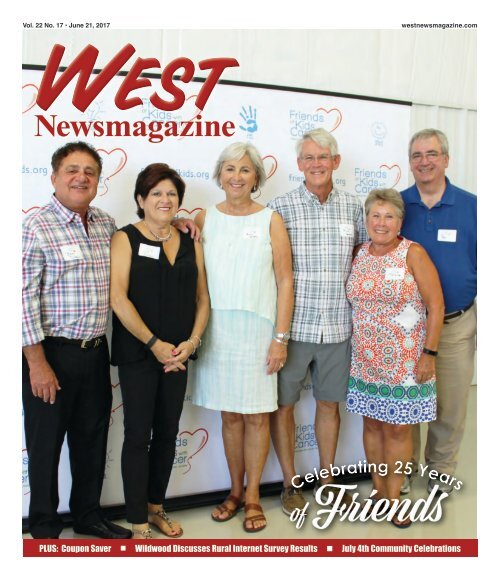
323,158
430,156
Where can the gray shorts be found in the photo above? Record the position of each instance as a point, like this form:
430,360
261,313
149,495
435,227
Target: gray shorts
329,365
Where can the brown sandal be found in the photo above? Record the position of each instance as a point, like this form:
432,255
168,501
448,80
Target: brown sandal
253,519
401,524
224,508
373,500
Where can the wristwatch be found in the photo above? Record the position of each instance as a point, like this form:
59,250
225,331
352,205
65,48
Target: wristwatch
281,337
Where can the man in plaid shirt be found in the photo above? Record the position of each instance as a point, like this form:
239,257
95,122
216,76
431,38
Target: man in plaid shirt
66,381
324,225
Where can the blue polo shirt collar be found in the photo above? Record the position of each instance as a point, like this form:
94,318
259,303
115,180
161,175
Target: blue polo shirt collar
447,199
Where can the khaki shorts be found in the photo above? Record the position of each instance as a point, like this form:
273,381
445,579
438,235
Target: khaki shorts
329,365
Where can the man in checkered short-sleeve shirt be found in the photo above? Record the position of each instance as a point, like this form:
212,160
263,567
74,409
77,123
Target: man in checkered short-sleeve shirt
324,225
66,381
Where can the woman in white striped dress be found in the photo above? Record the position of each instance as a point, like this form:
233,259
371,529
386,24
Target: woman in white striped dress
249,271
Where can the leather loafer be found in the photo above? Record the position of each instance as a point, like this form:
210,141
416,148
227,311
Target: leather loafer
104,529
118,529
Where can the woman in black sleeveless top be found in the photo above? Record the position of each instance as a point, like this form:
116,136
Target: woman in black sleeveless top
160,307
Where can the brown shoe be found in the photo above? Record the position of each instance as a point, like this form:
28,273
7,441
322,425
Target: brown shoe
260,517
224,508
292,499
401,524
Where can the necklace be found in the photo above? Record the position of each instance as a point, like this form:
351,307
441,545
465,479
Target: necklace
159,238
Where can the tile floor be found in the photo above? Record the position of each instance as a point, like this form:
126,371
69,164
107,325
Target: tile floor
458,521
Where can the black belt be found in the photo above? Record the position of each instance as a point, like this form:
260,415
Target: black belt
457,313
85,344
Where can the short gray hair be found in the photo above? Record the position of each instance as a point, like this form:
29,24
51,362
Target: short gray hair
237,151
391,196
322,138
428,134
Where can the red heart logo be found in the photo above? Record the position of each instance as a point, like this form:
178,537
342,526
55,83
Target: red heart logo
270,165
190,212
30,94
189,111
199,445
111,418
113,162
334,117
25,211
397,173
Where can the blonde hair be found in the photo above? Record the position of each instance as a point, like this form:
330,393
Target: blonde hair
237,151
391,196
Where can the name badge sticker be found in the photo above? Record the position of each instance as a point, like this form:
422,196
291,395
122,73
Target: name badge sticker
71,252
394,274
251,233
346,230
447,235
149,251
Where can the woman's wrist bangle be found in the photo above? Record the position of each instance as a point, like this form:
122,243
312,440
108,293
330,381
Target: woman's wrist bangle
151,342
429,351
193,355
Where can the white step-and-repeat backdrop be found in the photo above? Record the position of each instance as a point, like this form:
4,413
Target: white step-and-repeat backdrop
372,137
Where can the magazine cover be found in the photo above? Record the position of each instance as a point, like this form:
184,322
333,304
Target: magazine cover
181,97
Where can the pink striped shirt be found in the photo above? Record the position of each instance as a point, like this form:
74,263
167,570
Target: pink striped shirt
65,273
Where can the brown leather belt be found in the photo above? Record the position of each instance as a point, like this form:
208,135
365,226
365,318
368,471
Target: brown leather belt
457,313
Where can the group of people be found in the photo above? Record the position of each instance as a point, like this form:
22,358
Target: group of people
268,295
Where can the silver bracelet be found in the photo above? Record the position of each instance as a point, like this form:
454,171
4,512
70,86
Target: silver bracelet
192,342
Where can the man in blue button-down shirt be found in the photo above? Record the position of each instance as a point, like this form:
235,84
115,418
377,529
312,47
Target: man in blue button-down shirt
443,218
